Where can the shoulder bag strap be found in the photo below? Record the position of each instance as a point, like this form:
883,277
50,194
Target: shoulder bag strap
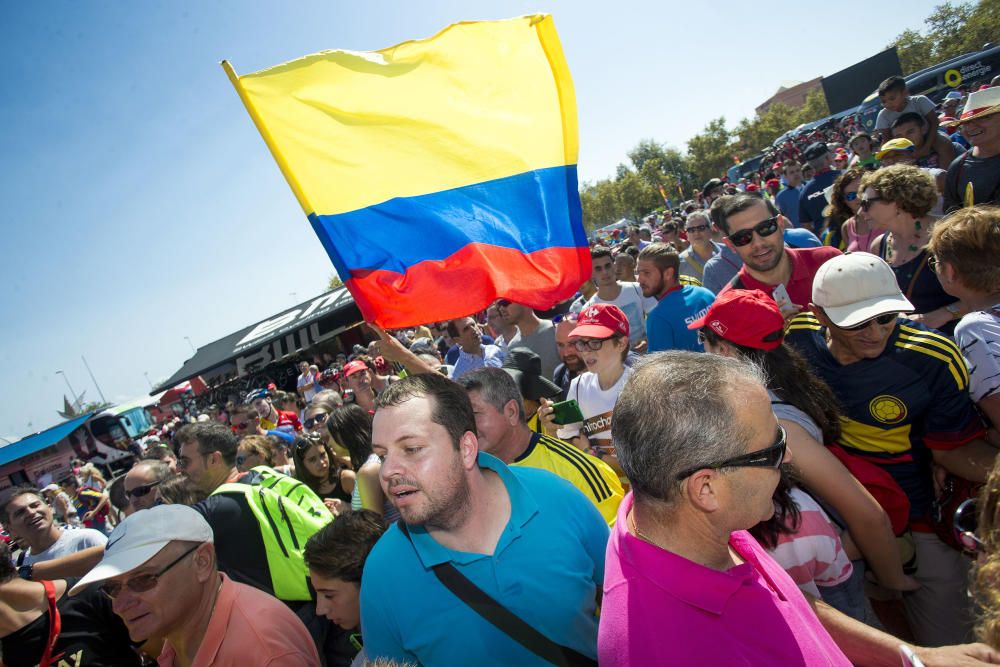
55,624
503,619
916,274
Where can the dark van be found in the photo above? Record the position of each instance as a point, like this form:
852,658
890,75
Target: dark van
964,73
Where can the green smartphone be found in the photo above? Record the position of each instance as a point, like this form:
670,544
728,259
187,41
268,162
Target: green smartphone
566,412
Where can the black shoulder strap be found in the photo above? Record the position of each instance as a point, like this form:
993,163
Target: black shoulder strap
736,283
502,618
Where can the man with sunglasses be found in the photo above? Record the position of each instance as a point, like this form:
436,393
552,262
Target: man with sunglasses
141,484
753,229
160,571
699,232
904,394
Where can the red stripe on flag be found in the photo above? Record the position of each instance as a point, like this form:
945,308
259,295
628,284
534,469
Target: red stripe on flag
467,282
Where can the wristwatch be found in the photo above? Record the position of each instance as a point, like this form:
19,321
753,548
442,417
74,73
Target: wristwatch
954,310
25,571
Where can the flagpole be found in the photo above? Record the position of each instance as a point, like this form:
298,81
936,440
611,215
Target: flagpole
268,140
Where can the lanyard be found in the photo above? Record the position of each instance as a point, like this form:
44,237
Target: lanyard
55,624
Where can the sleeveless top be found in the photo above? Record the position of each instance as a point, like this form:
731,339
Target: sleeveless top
920,285
856,243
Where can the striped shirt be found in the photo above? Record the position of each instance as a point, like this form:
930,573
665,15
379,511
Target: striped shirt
592,476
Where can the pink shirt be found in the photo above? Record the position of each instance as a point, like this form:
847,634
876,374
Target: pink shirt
252,629
805,263
662,609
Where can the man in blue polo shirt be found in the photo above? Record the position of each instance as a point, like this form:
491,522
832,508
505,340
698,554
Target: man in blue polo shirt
525,537
678,305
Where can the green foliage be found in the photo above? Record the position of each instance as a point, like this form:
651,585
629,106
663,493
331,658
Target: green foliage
334,282
952,29
710,153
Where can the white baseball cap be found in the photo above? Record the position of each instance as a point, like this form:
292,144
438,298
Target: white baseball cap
142,535
856,287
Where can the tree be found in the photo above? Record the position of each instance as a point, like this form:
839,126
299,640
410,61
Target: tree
334,282
915,51
952,29
710,153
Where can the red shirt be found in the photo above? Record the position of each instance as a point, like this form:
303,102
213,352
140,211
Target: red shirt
805,263
285,419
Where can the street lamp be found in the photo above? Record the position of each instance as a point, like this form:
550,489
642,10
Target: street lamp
191,344
71,392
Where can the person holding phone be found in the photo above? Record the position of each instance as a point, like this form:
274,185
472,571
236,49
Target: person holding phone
601,338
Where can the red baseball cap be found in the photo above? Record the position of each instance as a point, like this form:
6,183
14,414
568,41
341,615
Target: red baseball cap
752,187
773,181
746,317
353,367
601,320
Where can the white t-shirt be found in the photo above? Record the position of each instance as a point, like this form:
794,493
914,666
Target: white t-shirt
71,541
308,381
596,404
919,104
978,336
634,305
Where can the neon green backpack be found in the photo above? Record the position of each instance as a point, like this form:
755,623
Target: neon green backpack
289,513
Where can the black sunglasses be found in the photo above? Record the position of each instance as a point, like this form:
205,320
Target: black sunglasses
881,320
143,490
143,582
867,203
503,303
770,457
698,228
306,440
764,228
316,420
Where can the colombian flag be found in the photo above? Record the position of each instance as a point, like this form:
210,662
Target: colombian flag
439,174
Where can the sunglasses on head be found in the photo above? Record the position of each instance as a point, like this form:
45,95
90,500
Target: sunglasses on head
142,490
881,320
142,582
764,228
307,440
316,420
769,457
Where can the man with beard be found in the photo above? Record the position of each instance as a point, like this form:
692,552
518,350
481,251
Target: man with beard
678,305
753,230
524,537
572,365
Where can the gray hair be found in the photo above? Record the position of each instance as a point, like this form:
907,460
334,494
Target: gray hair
495,386
676,413
699,214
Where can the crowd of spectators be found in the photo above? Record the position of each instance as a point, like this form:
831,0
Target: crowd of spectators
761,433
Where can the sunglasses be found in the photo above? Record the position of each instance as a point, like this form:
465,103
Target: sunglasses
143,582
770,457
593,344
307,440
764,228
867,203
850,196
965,524
143,490
565,317
698,228
881,320
316,420
503,303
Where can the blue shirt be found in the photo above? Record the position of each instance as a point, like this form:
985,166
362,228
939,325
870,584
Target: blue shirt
666,325
720,269
801,238
787,202
547,568
812,201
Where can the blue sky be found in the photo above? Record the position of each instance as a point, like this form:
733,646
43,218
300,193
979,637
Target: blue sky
140,205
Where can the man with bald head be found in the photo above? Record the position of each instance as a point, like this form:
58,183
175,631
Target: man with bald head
160,571
142,482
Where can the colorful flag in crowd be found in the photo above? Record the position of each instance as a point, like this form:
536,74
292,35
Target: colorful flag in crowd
439,174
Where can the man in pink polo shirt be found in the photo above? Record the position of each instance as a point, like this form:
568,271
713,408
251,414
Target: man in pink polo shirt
754,230
159,570
684,583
